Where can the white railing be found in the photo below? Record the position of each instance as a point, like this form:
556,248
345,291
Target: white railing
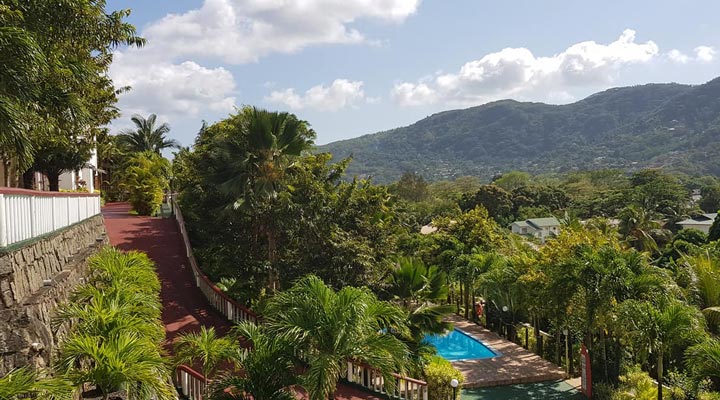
228,307
26,214
405,388
190,382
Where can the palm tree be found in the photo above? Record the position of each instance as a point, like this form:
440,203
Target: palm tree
258,156
23,383
707,285
654,329
206,348
704,360
331,328
415,287
123,361
268,369
146,137
637,227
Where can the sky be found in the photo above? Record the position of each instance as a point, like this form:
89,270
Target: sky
354,67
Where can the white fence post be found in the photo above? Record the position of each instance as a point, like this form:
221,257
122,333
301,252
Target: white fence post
3,222
27,214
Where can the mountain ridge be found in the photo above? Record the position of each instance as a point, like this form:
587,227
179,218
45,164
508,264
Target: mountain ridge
652,125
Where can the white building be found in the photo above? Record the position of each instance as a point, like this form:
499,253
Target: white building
541,228
84,177
701,222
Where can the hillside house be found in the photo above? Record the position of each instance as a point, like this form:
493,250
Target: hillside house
541,228
701,222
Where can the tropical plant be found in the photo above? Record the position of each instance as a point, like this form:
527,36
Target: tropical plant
332,328
145,178
268,368
24,383
637,226
656,328
205,348
257,157
122,361
146,137
703,359
438,374
706,282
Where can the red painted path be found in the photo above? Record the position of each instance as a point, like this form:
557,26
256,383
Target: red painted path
185,308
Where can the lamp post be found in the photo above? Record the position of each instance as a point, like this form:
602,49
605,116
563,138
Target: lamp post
454,383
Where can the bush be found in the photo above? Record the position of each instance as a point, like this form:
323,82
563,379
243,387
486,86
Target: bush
438,374
145,179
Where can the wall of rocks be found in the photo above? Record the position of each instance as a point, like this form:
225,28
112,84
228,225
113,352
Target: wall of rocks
34,280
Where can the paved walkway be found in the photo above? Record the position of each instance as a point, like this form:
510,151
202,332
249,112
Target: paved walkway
185,308
515,364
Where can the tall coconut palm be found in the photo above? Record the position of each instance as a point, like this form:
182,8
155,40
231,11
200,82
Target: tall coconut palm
23,383
268,369
331,328
119,362
653,329
258,156
145,136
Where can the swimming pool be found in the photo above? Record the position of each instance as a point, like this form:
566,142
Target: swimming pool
458,345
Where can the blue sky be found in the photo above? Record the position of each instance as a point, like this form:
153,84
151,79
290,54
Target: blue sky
352,67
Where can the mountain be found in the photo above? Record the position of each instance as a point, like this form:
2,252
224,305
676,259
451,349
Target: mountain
657,125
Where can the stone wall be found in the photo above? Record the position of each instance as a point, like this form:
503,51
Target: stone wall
34,280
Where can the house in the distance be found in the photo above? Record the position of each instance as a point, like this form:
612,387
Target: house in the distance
541,228
702,222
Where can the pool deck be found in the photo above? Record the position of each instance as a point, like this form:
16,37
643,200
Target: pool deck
516,365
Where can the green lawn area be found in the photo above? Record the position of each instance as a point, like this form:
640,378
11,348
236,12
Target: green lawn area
546,390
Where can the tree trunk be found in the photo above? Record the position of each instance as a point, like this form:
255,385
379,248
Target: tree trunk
28,179
660,375
53,181
558,345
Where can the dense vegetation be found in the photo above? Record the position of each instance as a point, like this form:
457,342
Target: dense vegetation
55,94
264,213
660,125
114,345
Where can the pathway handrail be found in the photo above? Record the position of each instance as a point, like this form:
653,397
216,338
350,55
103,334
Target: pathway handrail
191,383
28,214
370,378
228,307
405,388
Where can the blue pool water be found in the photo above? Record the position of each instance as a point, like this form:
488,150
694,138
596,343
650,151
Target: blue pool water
457,345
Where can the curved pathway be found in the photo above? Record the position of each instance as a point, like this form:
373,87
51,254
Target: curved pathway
185,308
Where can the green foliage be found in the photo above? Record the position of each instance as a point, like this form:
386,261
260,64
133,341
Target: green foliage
268,369
710,200
145,178
116,341
714,233
497,202
438,374
410,187
329,328
54,83
205,348
23,383
146,137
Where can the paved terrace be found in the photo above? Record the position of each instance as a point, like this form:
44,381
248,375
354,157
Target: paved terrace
185,308
515,365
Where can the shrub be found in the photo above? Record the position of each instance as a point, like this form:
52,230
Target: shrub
145,179
438,374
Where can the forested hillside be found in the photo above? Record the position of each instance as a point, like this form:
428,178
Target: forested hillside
657,125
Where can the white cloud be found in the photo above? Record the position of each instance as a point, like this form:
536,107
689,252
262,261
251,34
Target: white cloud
340,94
678,56
185,89
705,53
517,72
241,31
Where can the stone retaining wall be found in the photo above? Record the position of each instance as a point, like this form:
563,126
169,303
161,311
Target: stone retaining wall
34,280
